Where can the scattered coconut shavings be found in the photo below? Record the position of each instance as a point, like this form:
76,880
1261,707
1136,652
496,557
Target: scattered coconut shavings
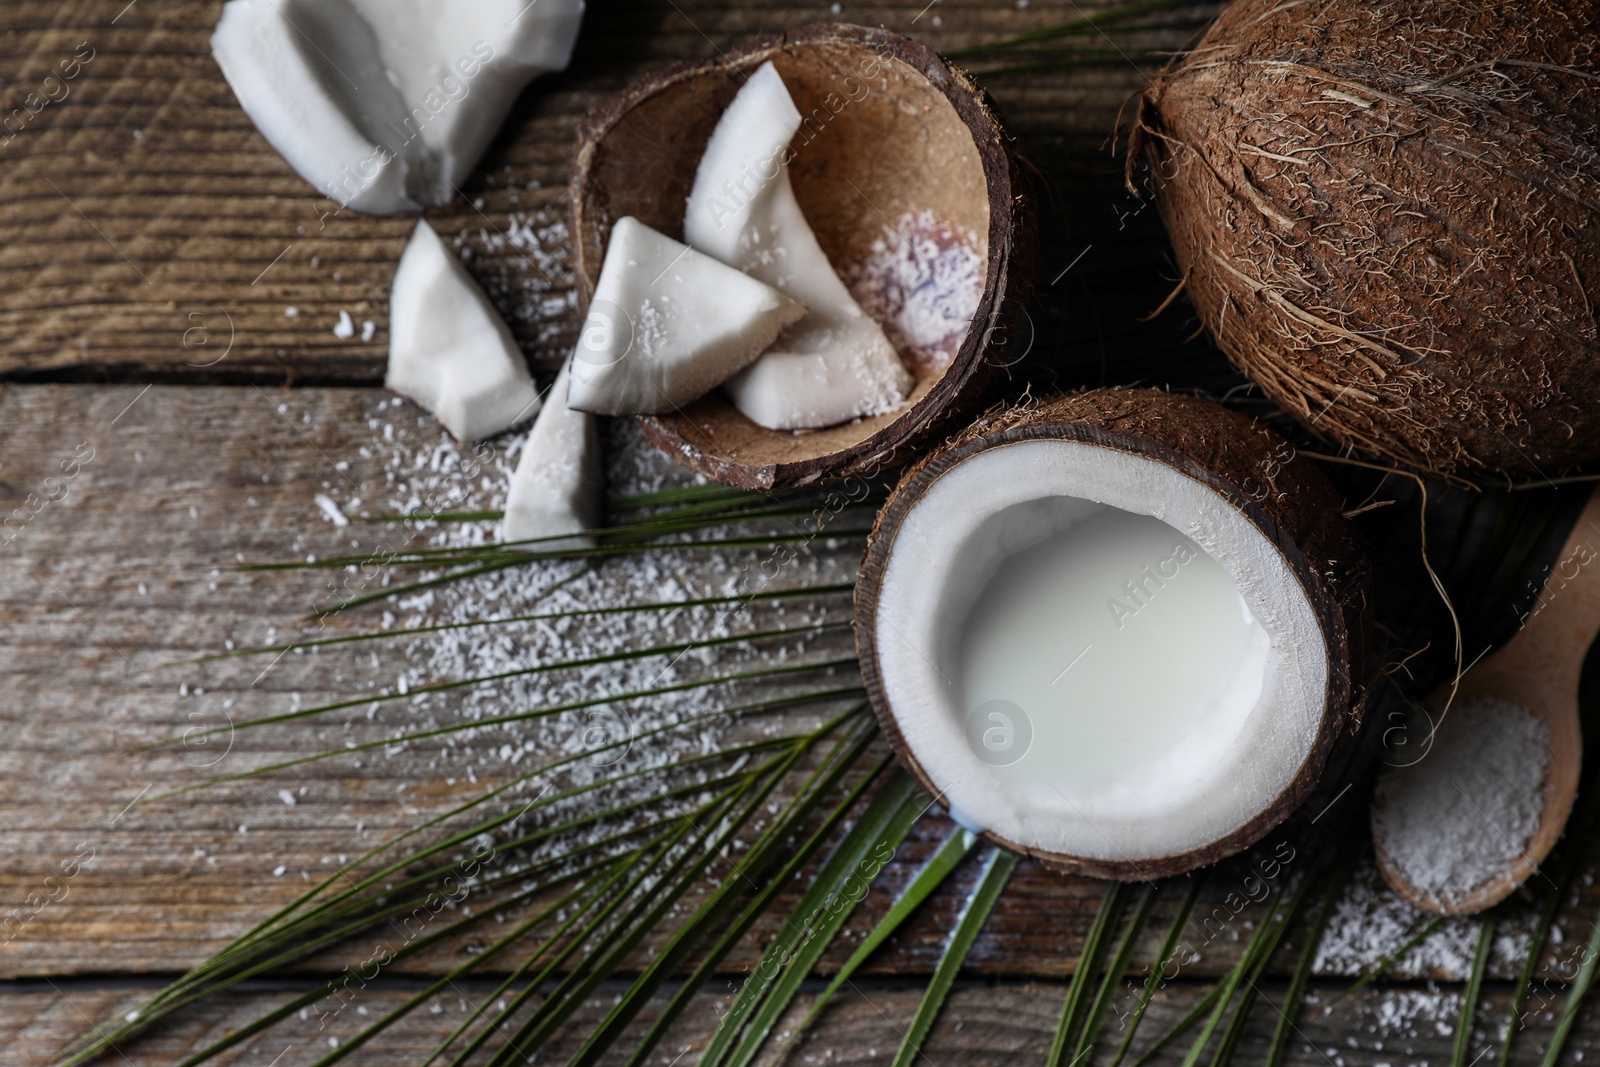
1464,813
525,269
426,471
634,465
1371,921
1414,1013
922,282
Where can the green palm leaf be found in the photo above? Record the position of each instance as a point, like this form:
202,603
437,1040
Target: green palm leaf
930,877
996,872
1164,959
1064,1049
844,879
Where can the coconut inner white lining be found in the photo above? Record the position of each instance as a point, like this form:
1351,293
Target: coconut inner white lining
1089,790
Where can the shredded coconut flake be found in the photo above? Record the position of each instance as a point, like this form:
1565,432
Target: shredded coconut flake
1464,813
922,282
330,510
424,471
1371,922
525,270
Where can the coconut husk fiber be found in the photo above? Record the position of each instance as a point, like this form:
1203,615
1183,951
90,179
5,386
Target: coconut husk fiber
1388,215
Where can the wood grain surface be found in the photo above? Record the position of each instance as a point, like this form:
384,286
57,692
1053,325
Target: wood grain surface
981,1026
151,236
151,231
108,589
128,574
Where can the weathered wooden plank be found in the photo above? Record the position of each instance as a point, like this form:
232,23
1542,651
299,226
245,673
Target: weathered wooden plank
981,1026
150,229
126,573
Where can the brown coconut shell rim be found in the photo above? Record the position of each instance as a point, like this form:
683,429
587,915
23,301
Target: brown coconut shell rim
1337,612
961,385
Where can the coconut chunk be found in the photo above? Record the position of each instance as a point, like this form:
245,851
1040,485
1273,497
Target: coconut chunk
559,480
668,324
449,350
836,364
386,105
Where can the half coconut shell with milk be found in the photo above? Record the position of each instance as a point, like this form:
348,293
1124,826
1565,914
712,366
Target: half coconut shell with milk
1119,632
910,185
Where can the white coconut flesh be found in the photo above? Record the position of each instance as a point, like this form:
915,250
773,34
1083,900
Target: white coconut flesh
448,348
668,324
559,482
834,365
386,105
1092,654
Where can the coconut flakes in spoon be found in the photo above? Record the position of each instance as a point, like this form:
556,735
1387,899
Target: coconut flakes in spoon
386,105
449,350
836,364
1462,813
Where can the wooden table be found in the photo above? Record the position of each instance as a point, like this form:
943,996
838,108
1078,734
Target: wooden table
168,292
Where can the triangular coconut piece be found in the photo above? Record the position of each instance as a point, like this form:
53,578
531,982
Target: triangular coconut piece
386,105
449,350
559,480
836,364
668,324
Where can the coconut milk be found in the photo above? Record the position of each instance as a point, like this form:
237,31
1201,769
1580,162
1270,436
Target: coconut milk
1114,647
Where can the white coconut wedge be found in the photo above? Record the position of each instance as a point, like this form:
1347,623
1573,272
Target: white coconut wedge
1115,632
888,126
448,348
386,105
836,364
668,324
559,484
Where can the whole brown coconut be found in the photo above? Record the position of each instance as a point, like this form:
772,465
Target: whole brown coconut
1388,215
890,128
1037,477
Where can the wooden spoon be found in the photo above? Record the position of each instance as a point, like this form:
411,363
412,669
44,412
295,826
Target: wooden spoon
1538,670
